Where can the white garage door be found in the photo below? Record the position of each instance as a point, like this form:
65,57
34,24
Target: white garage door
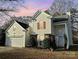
15,42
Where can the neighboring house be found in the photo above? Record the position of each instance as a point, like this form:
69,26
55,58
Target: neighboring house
16,34
43,25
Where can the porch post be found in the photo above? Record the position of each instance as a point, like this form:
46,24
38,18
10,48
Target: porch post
66,31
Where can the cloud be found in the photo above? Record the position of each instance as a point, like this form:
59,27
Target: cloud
27,12
32,6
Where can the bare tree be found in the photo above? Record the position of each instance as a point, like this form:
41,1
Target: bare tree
7,6
61,6
74,21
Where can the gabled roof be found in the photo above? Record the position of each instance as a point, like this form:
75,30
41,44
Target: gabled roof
47,12
21,20
23,25
36,14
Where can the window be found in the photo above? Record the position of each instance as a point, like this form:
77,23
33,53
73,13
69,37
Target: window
41,25
44,25
38,26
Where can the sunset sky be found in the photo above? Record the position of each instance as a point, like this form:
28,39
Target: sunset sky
31,6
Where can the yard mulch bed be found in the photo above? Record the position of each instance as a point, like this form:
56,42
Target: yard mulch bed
32,53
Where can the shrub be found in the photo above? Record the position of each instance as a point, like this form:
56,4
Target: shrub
31,42
46,43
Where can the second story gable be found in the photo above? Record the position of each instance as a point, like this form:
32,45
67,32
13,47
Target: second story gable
41,23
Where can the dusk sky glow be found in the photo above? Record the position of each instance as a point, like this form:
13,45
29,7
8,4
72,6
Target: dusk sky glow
31,6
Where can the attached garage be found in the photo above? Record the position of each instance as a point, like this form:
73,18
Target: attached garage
16,34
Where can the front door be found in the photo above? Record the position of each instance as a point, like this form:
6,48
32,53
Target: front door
60,41
34,40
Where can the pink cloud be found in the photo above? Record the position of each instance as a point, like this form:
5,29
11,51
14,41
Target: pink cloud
27,12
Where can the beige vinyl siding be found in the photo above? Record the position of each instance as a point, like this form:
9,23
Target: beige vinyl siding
43,17
15,36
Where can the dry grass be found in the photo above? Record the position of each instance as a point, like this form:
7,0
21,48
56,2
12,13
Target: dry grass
30,53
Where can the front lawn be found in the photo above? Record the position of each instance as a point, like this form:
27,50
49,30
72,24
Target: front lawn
32,53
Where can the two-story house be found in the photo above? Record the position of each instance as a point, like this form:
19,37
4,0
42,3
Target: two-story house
41,26
44,25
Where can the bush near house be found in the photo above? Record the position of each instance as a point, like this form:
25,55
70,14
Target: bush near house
46,43
34,42
31,42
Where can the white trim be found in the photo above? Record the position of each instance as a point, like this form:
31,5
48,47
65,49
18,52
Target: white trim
66,31
12,24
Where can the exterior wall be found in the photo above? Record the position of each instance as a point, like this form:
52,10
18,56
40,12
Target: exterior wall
15,36
43,17
52,28
28,33
32,27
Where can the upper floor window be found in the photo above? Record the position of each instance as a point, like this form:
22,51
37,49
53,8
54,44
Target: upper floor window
38,26
41,25
44,25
